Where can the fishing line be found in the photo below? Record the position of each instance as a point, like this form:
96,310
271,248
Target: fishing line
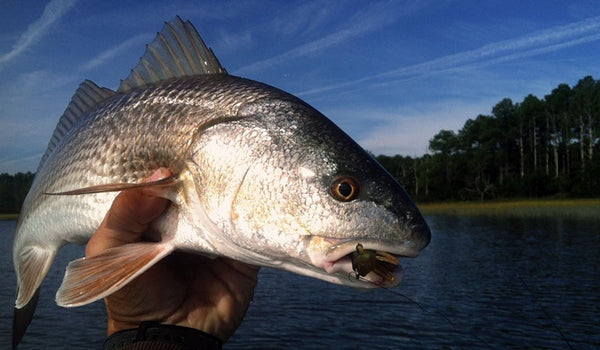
430,312
541,306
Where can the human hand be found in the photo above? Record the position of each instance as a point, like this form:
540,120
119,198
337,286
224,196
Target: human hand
211,295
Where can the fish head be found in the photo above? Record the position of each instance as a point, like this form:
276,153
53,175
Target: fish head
303,195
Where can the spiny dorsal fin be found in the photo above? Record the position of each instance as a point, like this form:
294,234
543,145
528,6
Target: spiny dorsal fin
87,96
177,51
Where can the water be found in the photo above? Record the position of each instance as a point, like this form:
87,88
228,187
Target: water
484,284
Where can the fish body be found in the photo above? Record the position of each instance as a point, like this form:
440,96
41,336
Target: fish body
261,177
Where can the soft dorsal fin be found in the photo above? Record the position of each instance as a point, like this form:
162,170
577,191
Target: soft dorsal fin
177,51
87,96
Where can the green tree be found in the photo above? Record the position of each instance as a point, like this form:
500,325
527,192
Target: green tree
585,106
558,103
444,146
505,113
13,189
481,140
532,111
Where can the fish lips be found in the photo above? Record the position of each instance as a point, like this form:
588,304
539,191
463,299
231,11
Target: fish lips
334,256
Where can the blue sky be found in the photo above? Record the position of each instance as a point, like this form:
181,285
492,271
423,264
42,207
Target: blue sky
390,73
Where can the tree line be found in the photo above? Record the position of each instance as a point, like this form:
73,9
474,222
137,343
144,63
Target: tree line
537,147
13,189
534,148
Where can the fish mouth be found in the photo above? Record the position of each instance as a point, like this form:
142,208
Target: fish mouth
362,263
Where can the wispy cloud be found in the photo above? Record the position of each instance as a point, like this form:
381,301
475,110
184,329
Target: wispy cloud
113,51
306,49
408,131
53,11
20,163
545,41
304,18
479,64
231,42
365,21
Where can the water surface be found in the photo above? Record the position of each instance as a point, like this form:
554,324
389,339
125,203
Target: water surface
482,283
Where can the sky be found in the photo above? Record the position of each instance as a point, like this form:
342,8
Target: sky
392,74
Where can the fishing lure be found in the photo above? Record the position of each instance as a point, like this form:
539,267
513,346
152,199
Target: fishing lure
381,263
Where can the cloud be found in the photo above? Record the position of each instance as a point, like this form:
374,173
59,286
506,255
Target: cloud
29,84
303,50
231,42
545,41
408,131
547,38
20,153
31,104
364,21
464,67
20,164
114,51
304,18
53,11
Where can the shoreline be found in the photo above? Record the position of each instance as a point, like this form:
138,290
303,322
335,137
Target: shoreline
9,216
569,208
575,208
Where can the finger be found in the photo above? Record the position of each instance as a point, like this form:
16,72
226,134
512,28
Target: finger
248,270
129,216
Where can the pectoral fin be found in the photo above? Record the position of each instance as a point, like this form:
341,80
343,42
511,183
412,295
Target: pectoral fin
159,186
89,279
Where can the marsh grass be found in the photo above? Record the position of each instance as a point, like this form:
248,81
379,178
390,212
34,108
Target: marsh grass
573,208
9,216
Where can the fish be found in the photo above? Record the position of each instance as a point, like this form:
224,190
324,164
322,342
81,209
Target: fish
259,176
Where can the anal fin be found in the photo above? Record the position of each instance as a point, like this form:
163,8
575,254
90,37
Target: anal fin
33,264
89,279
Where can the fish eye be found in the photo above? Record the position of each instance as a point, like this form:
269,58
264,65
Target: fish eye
344,188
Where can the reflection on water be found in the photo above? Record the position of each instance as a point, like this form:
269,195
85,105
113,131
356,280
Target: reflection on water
482,283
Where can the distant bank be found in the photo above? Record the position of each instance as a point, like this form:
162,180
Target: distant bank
573,208
9,216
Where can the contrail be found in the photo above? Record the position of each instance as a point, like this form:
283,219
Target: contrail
330,40
110,53
53,11
371,19
545,41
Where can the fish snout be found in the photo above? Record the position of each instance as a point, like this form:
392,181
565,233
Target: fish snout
414,233
421,235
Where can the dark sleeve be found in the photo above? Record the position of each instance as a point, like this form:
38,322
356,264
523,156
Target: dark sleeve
155,336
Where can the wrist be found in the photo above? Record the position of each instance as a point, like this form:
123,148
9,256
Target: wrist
114,326
158,336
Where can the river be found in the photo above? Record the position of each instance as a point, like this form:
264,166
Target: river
483,283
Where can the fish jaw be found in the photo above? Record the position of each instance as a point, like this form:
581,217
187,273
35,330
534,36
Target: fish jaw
332,257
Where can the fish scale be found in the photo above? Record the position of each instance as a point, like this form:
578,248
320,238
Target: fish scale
252,169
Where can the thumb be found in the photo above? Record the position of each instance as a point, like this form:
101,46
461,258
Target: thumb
129,216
